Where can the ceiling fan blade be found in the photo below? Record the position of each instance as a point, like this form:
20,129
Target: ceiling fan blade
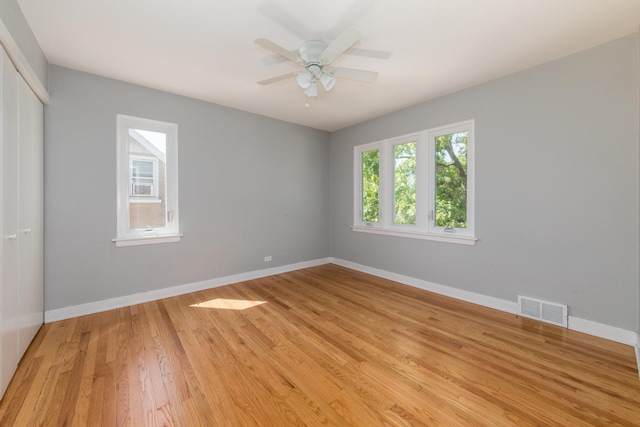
276,79
275,48
280,16
339,46
354,12
353,74
369,53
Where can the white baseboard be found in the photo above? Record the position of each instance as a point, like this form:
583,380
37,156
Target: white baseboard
472,297
575,323
127,300
603,331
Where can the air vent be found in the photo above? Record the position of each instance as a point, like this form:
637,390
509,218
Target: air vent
543,310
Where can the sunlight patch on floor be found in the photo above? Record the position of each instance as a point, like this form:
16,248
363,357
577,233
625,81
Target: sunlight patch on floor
228,304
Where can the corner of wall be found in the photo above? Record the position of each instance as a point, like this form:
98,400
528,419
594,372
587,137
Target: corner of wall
22,47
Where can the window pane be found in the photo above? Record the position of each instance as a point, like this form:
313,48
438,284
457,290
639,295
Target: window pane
142,169
404,202
451,180
370,186
147,160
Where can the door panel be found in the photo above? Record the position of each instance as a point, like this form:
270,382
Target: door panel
30,257
9,212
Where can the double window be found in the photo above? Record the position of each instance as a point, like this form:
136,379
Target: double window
419,185
147,181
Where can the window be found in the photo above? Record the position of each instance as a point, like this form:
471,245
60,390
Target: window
449,204
147,181
418,185
370,186
404,183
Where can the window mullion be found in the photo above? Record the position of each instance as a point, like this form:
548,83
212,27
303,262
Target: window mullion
422,182
431,181
386,184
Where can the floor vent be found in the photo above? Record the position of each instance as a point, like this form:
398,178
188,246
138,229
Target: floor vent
543,310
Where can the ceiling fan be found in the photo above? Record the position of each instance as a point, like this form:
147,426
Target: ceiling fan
316,56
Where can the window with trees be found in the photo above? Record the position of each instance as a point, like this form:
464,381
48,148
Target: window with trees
418,185
370,194
147,164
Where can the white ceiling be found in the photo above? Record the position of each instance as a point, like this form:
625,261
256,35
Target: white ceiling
421,49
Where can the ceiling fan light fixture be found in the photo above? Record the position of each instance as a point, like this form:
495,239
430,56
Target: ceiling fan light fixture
303,78
312,90
327,81
316,56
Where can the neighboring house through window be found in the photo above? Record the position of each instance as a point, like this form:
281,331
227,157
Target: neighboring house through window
418,185
144,177
147,181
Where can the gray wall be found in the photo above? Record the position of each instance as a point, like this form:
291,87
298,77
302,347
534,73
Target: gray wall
556,201
556,187
15,22
249,187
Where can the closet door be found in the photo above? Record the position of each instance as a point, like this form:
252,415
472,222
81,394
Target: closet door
9,212
30,217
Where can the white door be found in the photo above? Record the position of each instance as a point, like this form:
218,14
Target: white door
30,256
9,212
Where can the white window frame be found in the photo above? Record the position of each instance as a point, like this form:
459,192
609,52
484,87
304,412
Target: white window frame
357,209
425,227
125,235
432,134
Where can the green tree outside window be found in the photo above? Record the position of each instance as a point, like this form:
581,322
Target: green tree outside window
371,186
451,180
404,156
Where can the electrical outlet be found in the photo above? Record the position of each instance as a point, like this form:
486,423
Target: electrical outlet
268,258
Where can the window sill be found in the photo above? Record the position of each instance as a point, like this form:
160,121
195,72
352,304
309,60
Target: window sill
460,240
149,200
147,240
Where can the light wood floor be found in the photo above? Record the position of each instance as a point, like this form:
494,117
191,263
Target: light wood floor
327,346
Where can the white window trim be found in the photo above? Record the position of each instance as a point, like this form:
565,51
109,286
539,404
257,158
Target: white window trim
425,189
170,233
147,240
462,240
144,200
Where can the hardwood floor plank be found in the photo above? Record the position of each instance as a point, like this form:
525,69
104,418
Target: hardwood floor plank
25,398
320,346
